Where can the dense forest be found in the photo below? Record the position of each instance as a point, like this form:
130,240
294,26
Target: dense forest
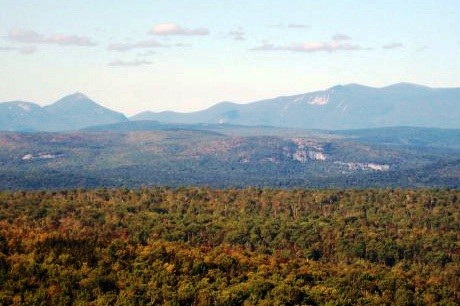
201,246
222,156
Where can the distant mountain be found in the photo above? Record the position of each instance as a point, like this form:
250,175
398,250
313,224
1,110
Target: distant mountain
78,111
341,107
22,116
350,106
72,112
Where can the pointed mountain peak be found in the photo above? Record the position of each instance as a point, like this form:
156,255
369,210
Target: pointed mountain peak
79,111
78,96
79,104
76,102
75,98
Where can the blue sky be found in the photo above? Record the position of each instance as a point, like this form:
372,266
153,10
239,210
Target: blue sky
187,55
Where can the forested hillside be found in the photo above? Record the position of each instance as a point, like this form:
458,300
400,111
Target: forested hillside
229,156
199,246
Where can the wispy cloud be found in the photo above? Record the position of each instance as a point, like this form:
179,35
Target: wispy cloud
32,37
22,50
267,47
298,26
340,37
167,29
182,45
310,47
236,35
146,53
129,63
324,46
394,45
147,44
291,25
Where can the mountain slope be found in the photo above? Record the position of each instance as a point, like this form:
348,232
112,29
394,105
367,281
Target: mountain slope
21,116
72,112
78,111
340,107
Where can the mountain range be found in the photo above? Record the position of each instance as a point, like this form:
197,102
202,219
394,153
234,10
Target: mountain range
340,107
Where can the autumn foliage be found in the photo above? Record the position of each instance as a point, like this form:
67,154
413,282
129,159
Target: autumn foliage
200,246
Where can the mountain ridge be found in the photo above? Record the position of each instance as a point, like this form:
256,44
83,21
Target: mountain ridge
351,106
145,153
340,107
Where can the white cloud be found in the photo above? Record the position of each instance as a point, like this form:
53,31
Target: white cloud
310,47
291,25
146,53
340,36
266,47
298,25
236,35
147,44
129,63
393,45
182,45
166,29
323,46
32,37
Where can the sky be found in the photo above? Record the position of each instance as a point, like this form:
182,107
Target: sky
159,55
